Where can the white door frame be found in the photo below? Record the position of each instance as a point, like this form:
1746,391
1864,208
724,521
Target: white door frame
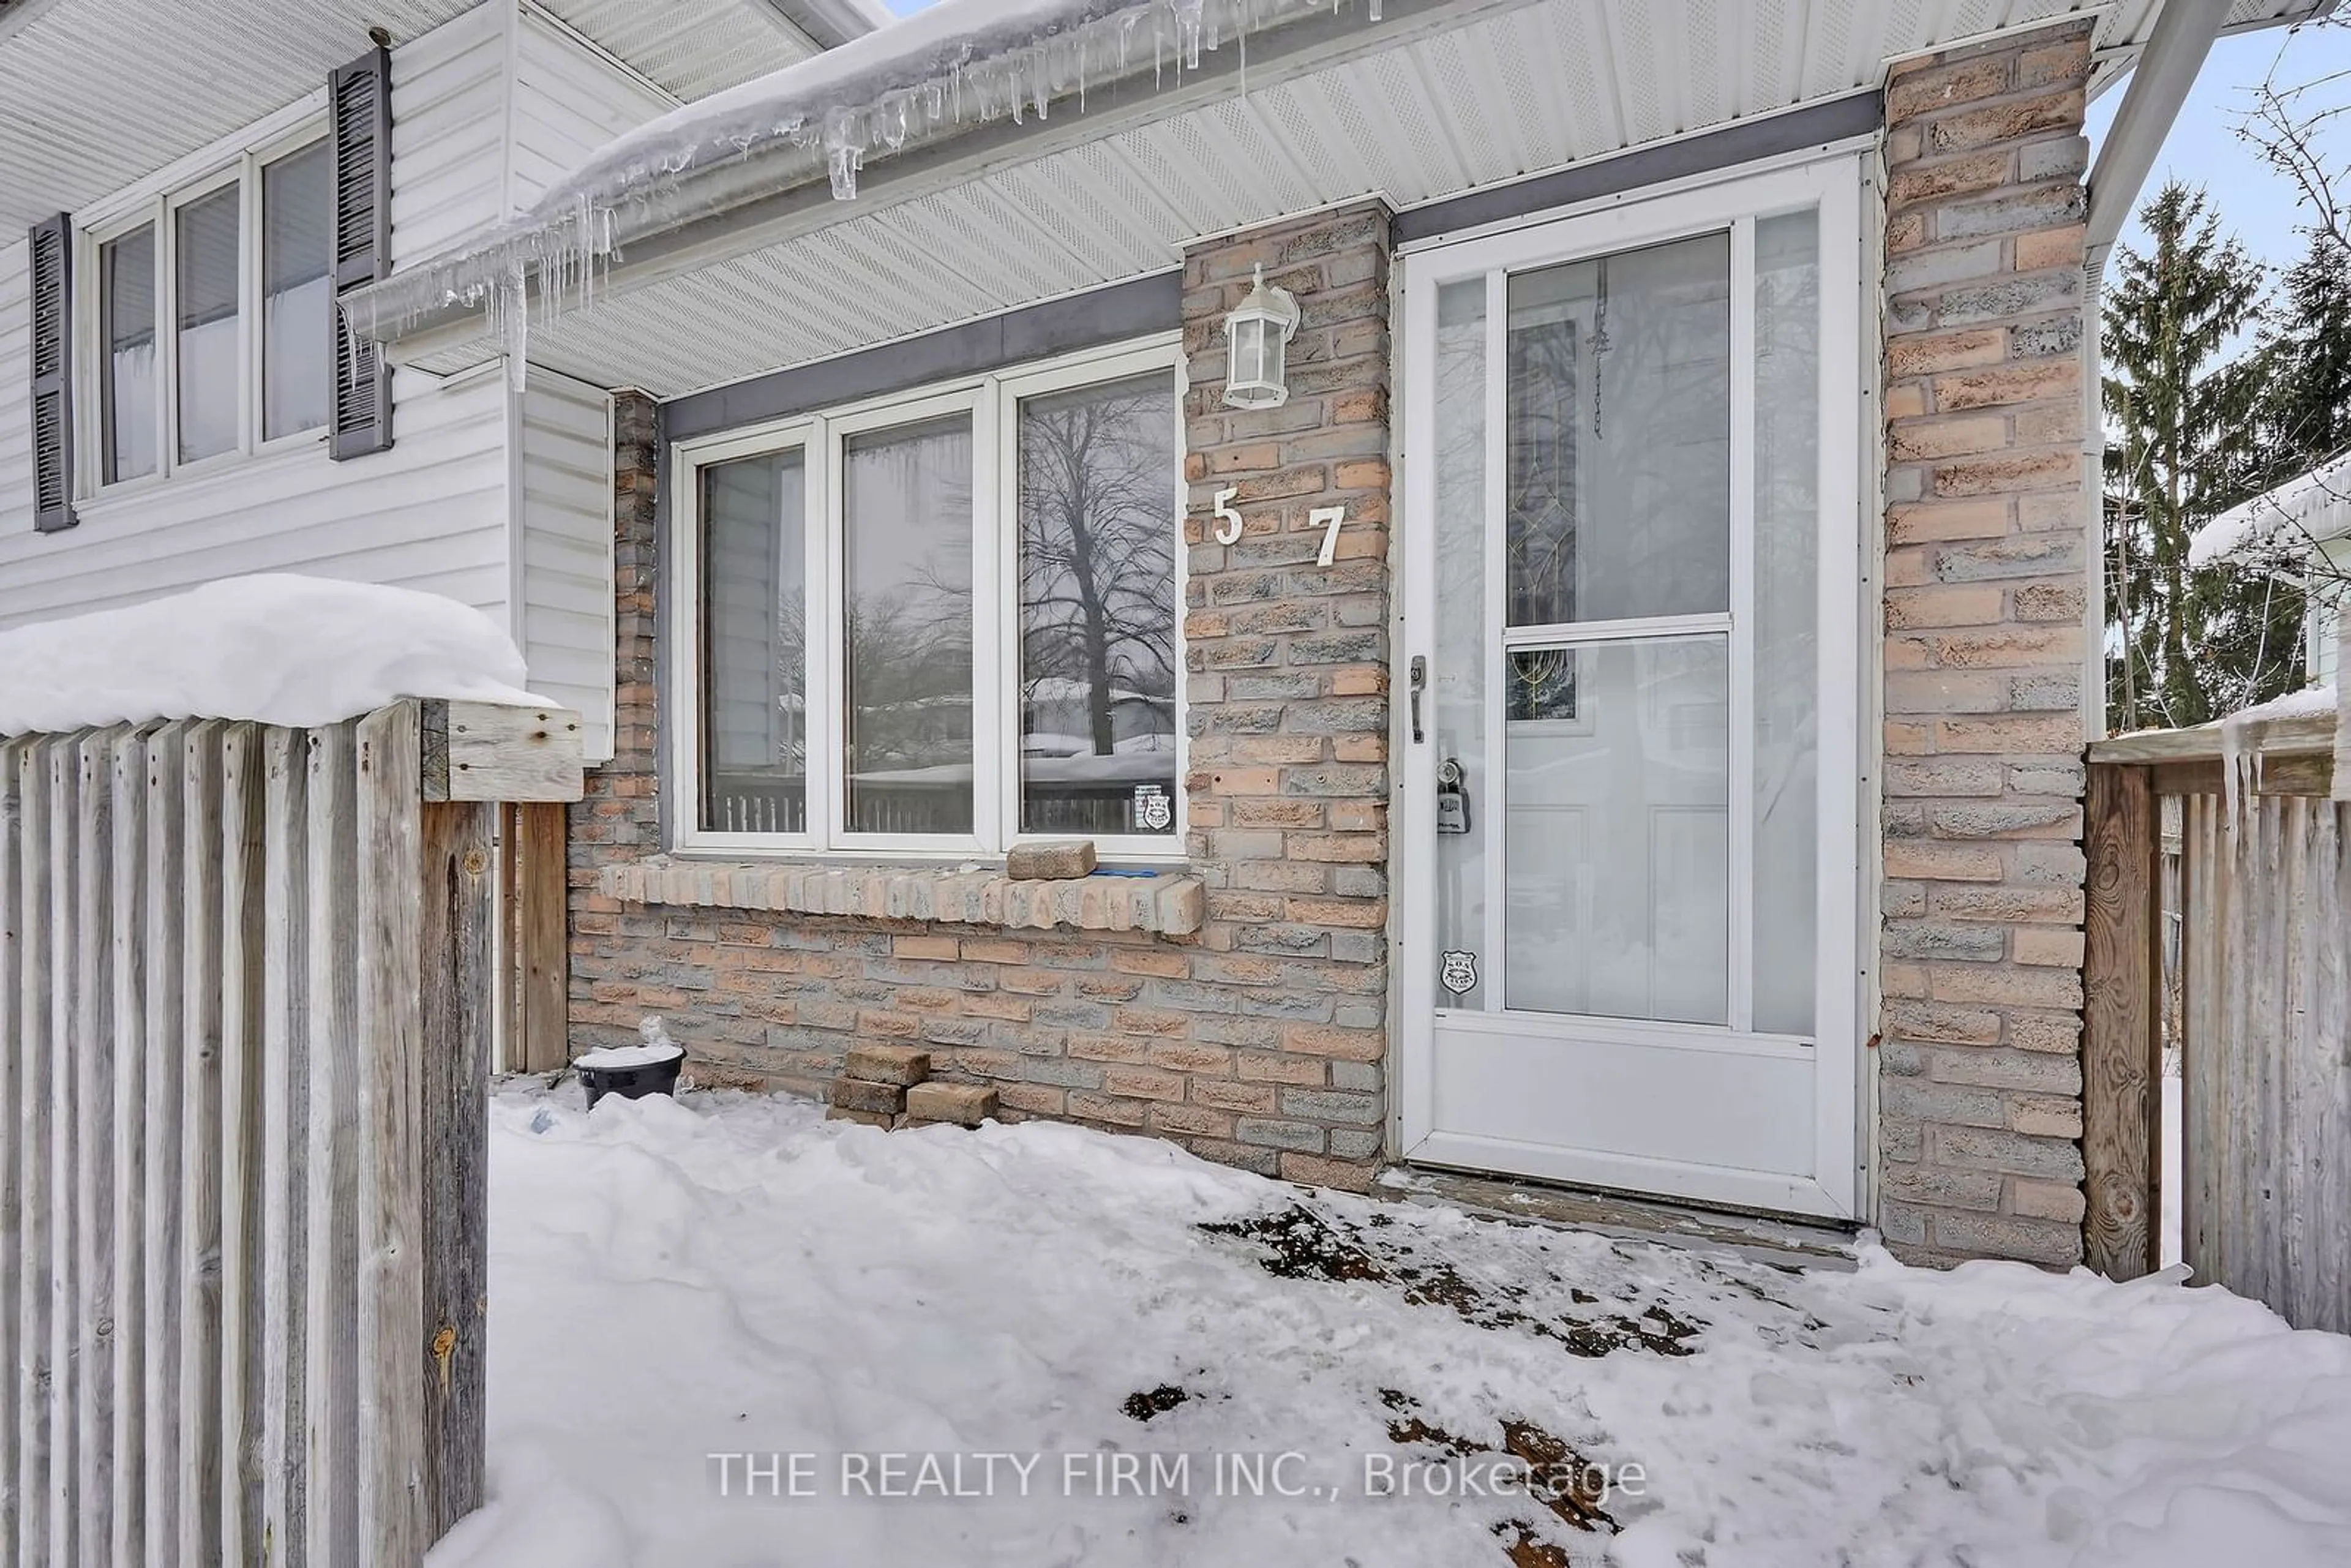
1835,184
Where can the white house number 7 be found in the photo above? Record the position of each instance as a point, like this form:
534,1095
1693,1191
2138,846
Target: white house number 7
1329,520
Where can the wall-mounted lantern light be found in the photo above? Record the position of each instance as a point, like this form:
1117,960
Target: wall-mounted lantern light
1257,340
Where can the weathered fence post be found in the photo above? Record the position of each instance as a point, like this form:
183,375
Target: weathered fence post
542,958
247,1006
2264,1036
457,886
391,1066
2121,1048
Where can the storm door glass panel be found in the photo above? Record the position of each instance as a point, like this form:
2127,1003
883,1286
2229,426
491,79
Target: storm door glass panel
127,320
1615,749
204,302
1787,619
754,715
1457,681
906,517
1097,610
1619,505
1617,758
296,206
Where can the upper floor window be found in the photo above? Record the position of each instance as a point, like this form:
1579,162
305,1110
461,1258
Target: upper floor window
941,622
214,323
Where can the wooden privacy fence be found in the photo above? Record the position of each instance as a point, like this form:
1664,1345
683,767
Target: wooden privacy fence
2263,972
246,994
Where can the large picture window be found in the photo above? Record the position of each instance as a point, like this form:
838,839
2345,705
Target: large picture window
938,623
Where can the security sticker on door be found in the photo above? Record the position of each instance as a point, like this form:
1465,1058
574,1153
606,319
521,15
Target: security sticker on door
1458,972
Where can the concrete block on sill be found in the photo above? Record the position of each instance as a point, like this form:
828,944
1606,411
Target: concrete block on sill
1049,862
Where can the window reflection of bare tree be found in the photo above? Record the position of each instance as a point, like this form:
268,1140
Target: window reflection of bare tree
1097,518
906,615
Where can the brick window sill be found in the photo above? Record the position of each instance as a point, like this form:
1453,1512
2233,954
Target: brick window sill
1167,902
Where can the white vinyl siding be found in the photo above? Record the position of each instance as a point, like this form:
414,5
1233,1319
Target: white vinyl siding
564,514
502,503
2327,595
16,393
568,101
448,127
432,513
429,514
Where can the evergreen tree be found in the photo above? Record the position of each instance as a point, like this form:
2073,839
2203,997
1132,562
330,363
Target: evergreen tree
2181,448
2306,366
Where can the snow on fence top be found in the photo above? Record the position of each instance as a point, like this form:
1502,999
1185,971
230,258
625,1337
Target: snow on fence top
958,63
2284,521
277,648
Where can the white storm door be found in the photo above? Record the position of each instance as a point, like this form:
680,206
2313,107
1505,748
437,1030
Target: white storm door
1629,828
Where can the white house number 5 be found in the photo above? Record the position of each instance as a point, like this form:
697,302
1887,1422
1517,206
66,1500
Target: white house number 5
1229,522
1329,520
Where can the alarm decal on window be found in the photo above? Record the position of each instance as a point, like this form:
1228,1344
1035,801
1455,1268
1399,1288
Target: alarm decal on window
1458,972
1154,810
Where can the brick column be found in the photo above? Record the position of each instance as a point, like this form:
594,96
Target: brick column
1288,684
619,816
1987,541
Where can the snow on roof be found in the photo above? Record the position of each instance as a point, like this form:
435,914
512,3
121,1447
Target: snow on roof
278,649
931,64
2284,521
955,65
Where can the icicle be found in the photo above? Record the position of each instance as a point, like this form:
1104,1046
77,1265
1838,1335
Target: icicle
896,123
844,153
2234,786
506,304
1187,32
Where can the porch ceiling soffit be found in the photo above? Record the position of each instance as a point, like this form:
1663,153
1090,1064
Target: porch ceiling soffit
102,93
1450,99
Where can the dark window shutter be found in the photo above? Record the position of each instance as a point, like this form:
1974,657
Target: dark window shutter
362,412
359,106
360,103
53,454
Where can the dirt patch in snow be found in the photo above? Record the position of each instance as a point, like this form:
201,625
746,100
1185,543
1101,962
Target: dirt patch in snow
1143,1405
1557,1477
1298,1243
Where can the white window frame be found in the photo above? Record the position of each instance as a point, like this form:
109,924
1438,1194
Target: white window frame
235,161
992,400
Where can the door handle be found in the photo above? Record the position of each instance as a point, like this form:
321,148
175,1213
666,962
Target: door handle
1419,682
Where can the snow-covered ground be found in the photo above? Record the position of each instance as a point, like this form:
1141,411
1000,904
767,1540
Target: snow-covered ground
676,1285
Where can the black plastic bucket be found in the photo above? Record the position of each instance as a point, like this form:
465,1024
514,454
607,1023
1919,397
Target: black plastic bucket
632,1082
